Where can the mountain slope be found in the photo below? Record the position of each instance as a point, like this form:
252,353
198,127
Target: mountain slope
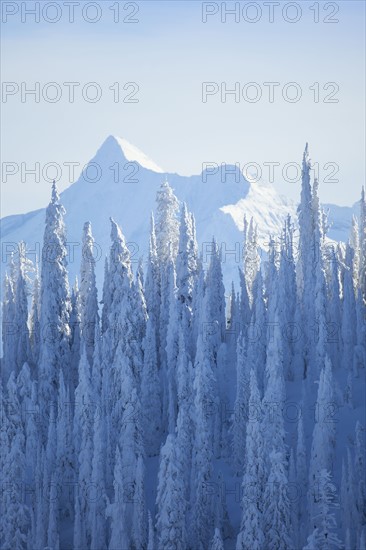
124,186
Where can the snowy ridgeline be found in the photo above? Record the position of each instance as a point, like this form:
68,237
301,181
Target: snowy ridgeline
169,419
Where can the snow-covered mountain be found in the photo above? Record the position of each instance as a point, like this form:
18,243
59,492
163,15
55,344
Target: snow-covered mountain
126,188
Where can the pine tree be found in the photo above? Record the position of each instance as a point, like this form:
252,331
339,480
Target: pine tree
15,512
307,256
275,393
97,505
187,272
89,316
23,351
318,352
139,533
35,328
117,510
152,280
251,534
241,405
151,537
167,239
167,225
360,472
277,508
334,309
324,535
256,333
53,537
27,391
217,542
75,322
206,407
9,332
250,256
83,440
185,421
348,330
122,354
302,480
355,245
151,392
362,241
323,443
65,453
55,304
170,501
286,303
170,405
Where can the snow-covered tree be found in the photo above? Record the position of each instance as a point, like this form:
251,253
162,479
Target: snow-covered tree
151,392
89,316
324,535
75,338
207,432
217,542
117,510
359,470
23,352
251,258
9,331
83,441
35,328
186,272
15,521
167,224
323,442
55,304
251,534
362,241
171,501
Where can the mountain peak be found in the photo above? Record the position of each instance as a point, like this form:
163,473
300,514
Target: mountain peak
133,154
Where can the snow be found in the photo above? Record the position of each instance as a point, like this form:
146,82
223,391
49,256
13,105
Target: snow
168,354
218,208
132,153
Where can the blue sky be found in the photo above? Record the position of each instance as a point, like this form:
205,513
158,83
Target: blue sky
169,53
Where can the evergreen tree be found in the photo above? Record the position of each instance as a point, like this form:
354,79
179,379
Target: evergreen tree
167,224
75,322
151,536
83,438
23,351
171,503
206,435
15,522
323,443
251,534
186,272
151,392
117,510
9,331
324,535
277,509
362,241
97,505
360,472
35,328
348,330
55,304
89,316
217,542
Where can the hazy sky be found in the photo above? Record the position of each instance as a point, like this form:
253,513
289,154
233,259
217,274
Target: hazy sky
169,52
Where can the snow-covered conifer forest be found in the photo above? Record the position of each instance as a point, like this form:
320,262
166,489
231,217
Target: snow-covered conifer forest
164,411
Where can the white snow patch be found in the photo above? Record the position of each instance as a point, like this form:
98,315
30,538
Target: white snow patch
132,153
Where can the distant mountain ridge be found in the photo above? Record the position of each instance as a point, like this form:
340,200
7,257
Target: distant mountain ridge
126,190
